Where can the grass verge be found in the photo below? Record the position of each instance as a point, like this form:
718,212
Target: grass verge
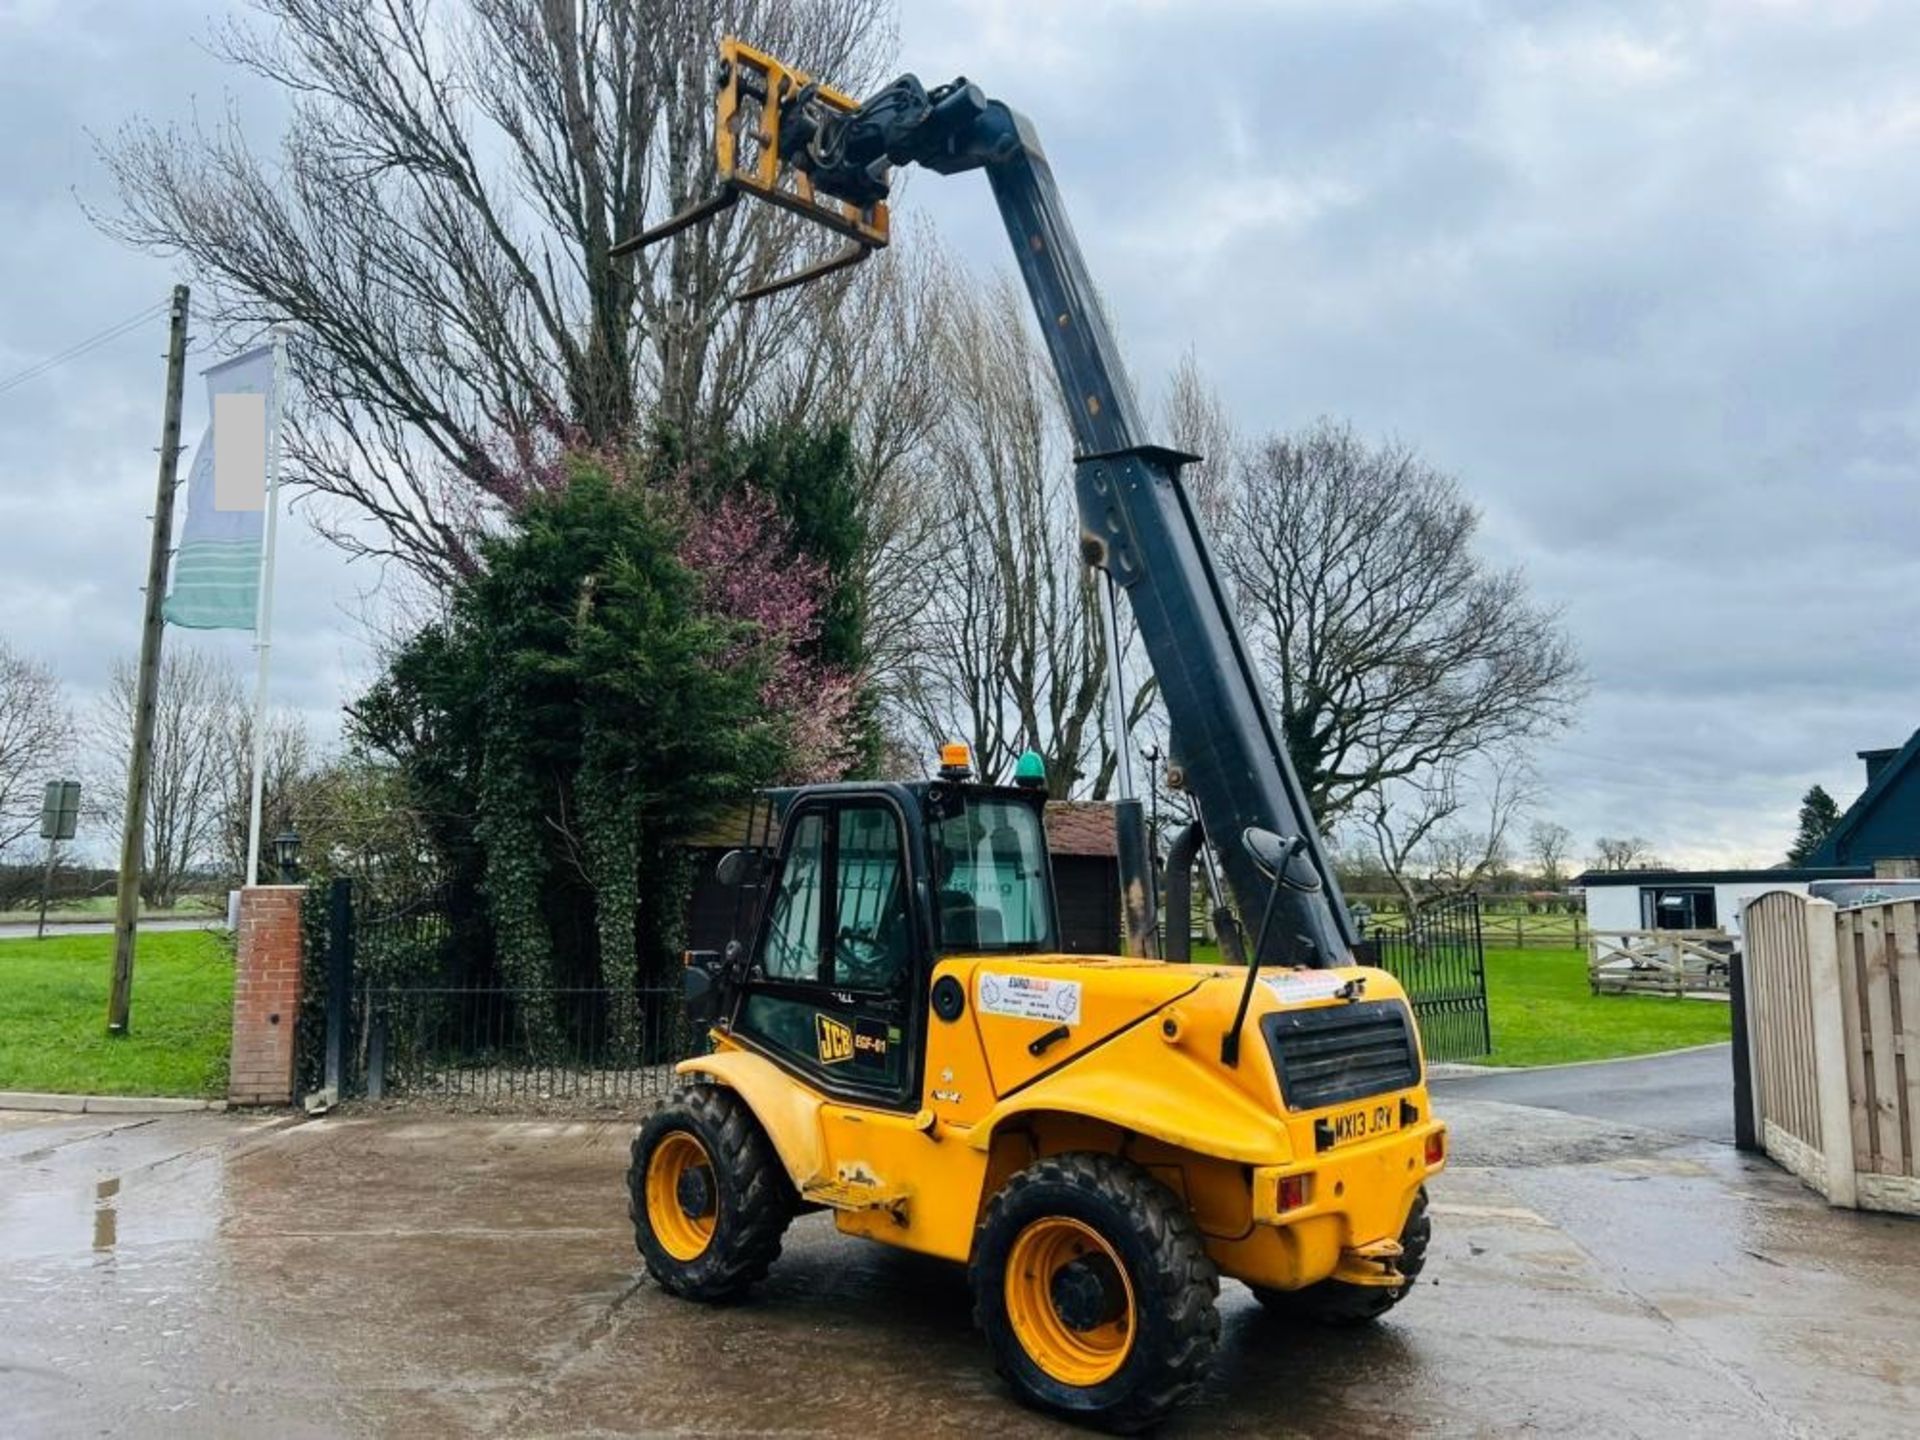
1543,1014
53,1016
101,907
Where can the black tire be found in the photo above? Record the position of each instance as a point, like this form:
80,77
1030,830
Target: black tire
1174,1326
750,1198
1336,1303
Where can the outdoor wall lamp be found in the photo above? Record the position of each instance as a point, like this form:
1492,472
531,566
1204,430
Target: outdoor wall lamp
286,854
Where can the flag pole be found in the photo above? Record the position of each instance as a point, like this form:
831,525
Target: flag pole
263,620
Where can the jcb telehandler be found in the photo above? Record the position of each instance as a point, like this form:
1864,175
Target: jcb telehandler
897,1037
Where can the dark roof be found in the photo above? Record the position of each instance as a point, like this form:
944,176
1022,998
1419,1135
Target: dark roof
1781,874
1885,820
1080,827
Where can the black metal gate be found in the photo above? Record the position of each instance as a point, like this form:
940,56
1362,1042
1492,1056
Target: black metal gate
417,1005
1440,957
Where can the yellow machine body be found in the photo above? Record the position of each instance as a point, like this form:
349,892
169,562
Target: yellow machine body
1138,1074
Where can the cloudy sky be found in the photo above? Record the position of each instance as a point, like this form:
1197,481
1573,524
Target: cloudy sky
1644,276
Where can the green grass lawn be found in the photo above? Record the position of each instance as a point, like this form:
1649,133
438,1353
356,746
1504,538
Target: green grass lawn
53,1016
1542,1013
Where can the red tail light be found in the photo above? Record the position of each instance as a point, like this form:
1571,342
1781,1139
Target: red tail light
1436,1147
1293,1193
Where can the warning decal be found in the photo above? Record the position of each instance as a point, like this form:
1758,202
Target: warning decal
1305,985
1030,997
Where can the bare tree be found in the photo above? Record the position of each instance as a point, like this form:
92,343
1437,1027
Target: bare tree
439,224
874,364
1006,648
1445,832
34,733
195,705
285,775
1548,846
1628,852
1198,422
1395,654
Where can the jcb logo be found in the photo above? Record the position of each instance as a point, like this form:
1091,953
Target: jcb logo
835,1039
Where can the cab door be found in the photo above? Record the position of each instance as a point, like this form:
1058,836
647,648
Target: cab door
829,989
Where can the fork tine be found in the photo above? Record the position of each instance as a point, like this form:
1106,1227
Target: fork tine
673,225
850,256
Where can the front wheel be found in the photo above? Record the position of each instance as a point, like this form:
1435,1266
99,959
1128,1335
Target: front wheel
1336,1303
1095,1290
708,1196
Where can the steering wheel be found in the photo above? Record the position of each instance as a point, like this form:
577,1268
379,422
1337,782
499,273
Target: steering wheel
866,954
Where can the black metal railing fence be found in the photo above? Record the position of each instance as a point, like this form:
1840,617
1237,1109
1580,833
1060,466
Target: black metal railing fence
1439,955
417,1006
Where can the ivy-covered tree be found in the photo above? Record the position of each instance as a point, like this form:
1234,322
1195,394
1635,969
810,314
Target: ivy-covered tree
627,663
1818,815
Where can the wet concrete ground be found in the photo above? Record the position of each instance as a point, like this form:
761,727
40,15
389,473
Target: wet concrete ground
1686,1091
214,1275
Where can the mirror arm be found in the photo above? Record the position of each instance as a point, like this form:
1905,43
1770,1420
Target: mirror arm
1230,1042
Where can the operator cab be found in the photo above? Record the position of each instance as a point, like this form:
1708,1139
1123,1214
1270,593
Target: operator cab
867,885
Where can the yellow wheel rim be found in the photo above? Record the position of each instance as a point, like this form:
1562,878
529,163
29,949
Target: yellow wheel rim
683,1198
1070,1301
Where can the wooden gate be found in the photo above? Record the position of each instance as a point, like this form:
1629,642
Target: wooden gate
1833,1020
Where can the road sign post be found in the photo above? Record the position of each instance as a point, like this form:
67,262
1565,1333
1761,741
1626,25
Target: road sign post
59,820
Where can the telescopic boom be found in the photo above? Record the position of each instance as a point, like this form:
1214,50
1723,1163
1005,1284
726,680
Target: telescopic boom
786,139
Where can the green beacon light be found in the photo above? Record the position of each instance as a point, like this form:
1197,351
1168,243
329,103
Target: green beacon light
1031,772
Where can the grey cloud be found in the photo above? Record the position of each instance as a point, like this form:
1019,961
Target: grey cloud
1643,276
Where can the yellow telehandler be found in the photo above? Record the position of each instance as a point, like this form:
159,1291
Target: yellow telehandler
896,1036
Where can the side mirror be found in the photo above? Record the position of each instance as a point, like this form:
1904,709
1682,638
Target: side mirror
1266,849
738,867
700,997
1273,855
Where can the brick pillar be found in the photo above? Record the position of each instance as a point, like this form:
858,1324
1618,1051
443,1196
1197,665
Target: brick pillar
266,995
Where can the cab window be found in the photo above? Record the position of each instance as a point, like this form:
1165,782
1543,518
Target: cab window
993,889
793,930
873,939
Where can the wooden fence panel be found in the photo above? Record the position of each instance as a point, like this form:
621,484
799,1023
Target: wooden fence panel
1834,1034
1853,1015
1881,1088
1905,931
1782,1031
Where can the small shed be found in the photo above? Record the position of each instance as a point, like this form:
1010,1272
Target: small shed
1086,875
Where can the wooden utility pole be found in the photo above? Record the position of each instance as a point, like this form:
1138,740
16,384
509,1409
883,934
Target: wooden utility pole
133,831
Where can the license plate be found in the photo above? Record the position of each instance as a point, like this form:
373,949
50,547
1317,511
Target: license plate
1365,1122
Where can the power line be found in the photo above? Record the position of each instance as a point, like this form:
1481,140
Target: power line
74,352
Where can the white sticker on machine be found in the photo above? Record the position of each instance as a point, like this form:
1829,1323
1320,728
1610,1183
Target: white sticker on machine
1297,985
1030,997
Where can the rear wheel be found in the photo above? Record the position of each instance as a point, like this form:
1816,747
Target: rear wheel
707,1195
1095,1290
1335,1302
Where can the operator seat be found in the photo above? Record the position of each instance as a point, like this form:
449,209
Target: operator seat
965,923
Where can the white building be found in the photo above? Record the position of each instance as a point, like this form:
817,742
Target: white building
1620,900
